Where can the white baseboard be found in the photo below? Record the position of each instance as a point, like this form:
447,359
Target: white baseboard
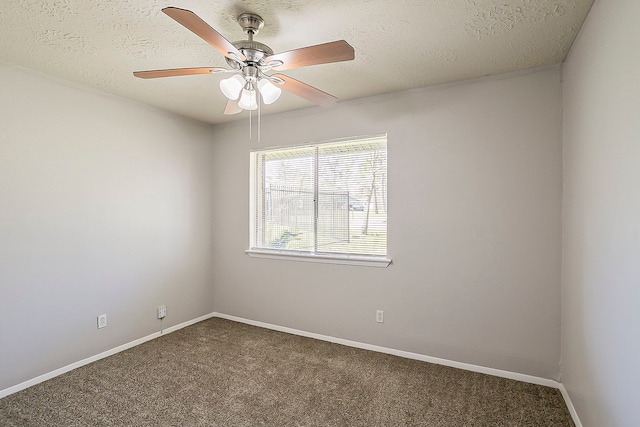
72,366
416,356
572,409
409,355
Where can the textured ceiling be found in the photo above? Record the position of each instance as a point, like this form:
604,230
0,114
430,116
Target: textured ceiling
399,44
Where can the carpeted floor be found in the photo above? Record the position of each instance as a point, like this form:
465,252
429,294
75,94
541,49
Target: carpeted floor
223,373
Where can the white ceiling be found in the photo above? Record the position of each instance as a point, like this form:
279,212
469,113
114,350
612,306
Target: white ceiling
399,45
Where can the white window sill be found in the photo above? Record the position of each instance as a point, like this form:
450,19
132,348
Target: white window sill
363,261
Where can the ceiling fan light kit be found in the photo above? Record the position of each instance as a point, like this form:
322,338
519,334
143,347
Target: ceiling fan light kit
248,100
270,92
232,86
250,61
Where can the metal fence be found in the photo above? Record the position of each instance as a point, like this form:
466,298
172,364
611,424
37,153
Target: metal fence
289,218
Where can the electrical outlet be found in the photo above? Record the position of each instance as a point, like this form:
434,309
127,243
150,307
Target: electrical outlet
102,321
162,312
380,316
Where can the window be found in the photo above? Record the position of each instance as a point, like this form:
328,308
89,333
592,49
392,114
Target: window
326,201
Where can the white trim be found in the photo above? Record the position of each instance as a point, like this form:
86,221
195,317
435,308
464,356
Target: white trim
572,409
377,138
324,259
406,354
16,388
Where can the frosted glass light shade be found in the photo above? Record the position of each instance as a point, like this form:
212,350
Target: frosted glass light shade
270,92
248,100
232,86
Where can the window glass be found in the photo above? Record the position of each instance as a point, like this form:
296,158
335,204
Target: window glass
328,198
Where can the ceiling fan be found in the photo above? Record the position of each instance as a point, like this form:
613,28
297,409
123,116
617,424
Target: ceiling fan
251,60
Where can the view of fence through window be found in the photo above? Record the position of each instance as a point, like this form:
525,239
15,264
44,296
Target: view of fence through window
325,198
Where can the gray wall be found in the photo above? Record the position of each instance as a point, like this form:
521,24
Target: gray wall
105,207
475,193
601,274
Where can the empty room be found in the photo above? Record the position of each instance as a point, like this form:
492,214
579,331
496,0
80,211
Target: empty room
319,213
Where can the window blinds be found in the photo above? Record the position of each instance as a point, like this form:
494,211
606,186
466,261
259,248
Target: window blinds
328,198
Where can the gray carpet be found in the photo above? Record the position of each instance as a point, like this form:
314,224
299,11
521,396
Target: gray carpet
223,373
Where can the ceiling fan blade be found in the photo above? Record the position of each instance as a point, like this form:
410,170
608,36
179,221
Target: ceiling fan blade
192,22
152,74
306,91
313,55
232,107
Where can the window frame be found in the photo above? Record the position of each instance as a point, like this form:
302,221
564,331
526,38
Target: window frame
293,255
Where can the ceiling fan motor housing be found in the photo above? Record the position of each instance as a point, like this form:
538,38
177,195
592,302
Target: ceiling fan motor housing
254,51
